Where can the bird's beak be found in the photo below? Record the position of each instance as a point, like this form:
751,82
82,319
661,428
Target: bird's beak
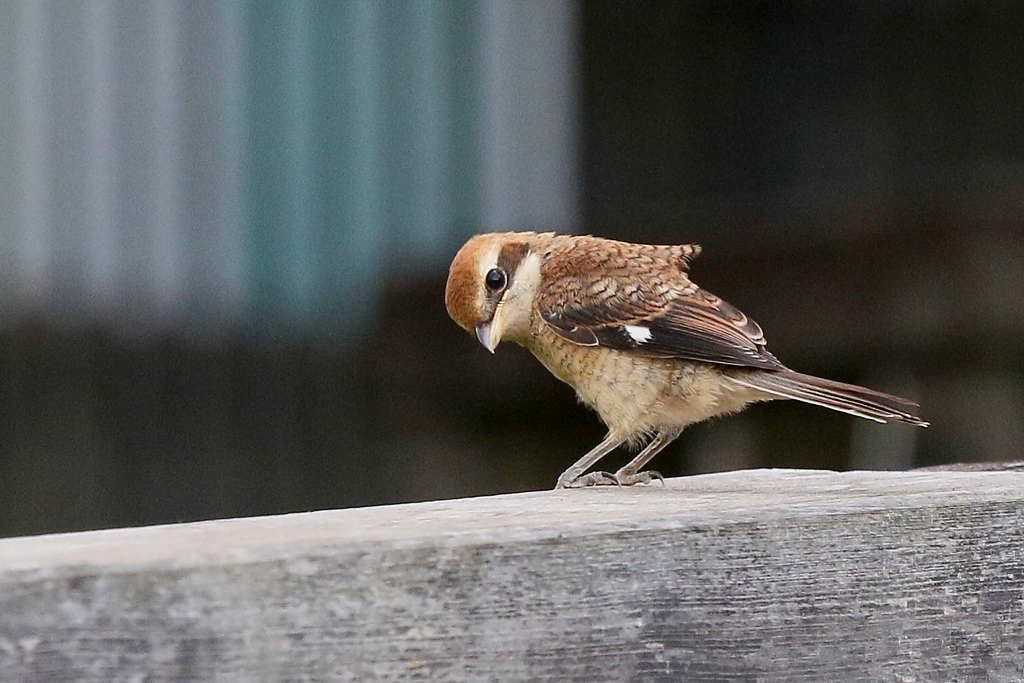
486,336
489,334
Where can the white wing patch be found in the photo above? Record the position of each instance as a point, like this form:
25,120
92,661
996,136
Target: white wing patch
638,333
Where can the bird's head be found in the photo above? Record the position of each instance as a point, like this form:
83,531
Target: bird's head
492,284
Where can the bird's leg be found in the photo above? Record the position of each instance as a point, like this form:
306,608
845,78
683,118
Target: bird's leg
630,473
571,477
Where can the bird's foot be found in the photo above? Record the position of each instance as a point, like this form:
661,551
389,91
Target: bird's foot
589,479
645,477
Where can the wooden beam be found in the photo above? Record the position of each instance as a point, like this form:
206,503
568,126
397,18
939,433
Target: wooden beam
764,575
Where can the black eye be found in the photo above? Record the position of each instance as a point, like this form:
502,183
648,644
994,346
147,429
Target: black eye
495,279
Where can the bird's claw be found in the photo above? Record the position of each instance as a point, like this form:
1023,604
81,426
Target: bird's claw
619,479
598,478
645,477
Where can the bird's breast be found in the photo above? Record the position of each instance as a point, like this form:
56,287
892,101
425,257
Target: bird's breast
626,390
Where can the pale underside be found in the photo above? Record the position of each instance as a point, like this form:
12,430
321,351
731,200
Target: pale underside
637,398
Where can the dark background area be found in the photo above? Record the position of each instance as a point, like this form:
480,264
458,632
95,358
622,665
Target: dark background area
853,171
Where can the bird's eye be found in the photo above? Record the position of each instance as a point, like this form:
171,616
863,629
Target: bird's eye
495,279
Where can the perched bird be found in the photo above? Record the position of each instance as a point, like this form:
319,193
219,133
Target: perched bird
640,343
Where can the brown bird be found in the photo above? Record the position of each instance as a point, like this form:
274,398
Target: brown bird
640,343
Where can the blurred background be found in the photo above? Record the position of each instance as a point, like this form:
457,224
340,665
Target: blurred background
225,230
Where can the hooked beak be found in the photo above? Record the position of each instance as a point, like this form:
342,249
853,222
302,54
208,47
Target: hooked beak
489,334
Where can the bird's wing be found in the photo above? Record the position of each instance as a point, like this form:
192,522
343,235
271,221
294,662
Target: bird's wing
655,312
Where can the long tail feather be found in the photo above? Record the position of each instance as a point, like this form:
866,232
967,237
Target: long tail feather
846,398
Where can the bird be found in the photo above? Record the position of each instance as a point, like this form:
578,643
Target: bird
642,345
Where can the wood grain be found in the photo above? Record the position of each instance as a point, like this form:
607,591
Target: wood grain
762,575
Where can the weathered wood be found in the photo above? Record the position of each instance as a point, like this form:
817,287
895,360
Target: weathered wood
747,576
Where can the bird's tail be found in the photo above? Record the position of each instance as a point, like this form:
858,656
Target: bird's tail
846,398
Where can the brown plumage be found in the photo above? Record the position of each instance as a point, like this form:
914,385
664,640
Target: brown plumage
640,343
